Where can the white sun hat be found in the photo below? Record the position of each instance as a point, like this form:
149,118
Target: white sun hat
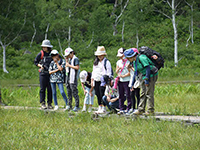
83,76
68,51
100,51
120,52
46,43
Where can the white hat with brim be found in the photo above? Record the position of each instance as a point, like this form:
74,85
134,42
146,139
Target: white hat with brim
100,51
120,52
46,43
54,52
83,76
68,51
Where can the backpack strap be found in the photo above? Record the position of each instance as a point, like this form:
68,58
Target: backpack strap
42,54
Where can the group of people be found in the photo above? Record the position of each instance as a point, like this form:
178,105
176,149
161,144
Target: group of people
134,72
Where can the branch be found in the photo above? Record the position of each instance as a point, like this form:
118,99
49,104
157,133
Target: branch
47,29
178,4
91,40
76,4
8,9
18,32
163,14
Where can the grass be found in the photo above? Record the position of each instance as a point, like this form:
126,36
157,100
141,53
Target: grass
35,129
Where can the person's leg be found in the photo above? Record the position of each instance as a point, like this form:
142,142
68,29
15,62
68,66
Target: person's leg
133,98
42,89
102,91
121,96
87,96
104,98
53,86
150,94
128,95
69,93
49,91
137,94
75,94
92,98
97,92
143,98
115,104
62,92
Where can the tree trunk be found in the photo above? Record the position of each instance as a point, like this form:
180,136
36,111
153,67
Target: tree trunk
123,31
33,34
175,34
4,59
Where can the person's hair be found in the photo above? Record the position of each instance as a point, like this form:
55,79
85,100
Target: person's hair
96,61
123,49
49,49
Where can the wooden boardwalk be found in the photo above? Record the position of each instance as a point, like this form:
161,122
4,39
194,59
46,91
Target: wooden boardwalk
191,120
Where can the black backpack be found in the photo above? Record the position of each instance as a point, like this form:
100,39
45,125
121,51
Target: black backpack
159,62
112,73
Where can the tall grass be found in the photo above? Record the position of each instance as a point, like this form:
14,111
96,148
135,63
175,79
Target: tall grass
35,129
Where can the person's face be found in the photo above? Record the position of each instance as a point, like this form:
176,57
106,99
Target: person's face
45,49
55,57
101,57
131,59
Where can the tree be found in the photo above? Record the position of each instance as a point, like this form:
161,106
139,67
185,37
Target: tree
171,14
11,24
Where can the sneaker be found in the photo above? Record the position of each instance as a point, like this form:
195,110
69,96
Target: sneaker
56,107
49,106
76,109
129,111
68,108
90,109
121,112
84,109
137,112
99,109
103,110
149,113
43,106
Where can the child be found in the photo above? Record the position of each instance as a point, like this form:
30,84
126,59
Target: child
56,71
111,97
85,78
72,68
101,67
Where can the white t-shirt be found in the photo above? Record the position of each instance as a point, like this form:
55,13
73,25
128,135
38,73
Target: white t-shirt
120,64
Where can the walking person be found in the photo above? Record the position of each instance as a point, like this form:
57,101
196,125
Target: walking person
101,66
72,68
124,77
89,92
57,75
42,60
144,65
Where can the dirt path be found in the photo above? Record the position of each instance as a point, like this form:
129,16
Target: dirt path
158,115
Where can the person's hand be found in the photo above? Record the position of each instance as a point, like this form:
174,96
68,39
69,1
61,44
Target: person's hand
120,75
85,92
60,68
55,60
91,94
146,82
155,57
108,98
132,89
67,64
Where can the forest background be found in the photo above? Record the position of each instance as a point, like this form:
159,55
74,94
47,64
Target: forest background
85,24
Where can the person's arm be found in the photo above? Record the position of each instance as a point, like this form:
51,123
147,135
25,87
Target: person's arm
125,75
114,99
148,70
37,60
83,88
71,66
53,71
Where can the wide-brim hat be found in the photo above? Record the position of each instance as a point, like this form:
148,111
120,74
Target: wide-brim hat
54,52
100,51
129,53
46,43
83,76
120,52
68,51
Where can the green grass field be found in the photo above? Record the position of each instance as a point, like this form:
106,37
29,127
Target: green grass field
36,129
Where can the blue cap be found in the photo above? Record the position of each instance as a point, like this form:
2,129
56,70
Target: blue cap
129,53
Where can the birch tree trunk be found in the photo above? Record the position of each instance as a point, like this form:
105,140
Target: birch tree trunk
47,29
175,34
137,37
4,59
33,34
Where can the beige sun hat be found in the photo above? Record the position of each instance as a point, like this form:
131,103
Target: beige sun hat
100,51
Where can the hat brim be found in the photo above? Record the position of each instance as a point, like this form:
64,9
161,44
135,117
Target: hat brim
66,54
83,80
129,56
119,55
99,54
50,46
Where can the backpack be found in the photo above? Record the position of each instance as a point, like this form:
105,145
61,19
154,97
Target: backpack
159,62
112,73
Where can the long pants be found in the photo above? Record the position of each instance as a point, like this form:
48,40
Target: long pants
111,105
45,84
147,95
62,92
89,99
124,89
99,92
135,94
72,91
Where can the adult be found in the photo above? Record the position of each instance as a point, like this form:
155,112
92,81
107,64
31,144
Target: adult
101,66
124,77
42,60
72,68
57,75
143,65
89,92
